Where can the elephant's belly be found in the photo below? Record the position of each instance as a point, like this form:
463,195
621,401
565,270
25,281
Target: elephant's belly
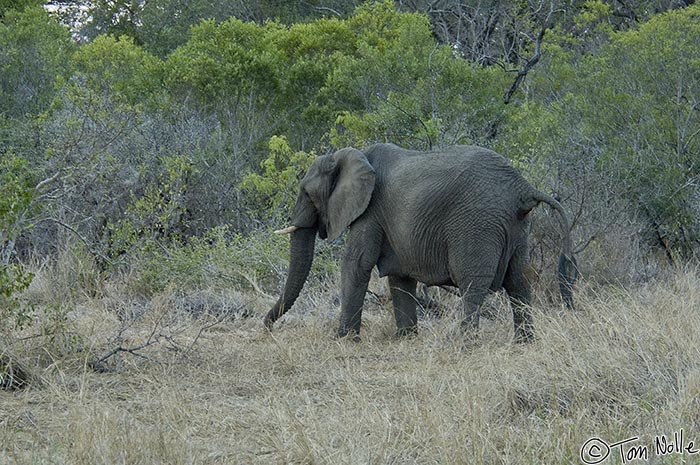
432,274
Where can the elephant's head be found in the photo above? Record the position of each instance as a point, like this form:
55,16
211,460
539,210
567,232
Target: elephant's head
335,191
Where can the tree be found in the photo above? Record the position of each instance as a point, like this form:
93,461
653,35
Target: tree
401,87
16,5
163,25
651,105
622,125
33,53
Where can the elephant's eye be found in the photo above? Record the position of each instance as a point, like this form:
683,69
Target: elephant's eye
311,198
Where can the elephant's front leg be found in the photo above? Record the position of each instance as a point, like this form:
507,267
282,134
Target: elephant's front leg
364,241
403,296
354,280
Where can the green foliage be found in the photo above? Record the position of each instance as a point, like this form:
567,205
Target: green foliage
450,102
651,123
120,68
160,26
16,192
274,190
16,196
152,132
16,5
401,87
222,259
375,76
624,121
594,14
390,60
157,216
222,64
34,50
13,281
218,259
310,53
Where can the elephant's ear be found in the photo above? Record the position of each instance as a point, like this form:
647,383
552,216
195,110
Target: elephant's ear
353,189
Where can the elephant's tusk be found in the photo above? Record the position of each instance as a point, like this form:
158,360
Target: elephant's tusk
288,230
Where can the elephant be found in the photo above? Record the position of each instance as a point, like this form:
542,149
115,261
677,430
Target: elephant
455,216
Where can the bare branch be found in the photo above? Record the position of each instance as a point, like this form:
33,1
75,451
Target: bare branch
527,68
414,117
82,238
529,64
99,366
216,322
46,181
154,337
328,9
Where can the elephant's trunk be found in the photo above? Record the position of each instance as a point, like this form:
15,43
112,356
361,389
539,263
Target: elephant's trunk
302,244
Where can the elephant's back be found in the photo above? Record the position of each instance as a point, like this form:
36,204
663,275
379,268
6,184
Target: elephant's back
475,161
422,181
461,171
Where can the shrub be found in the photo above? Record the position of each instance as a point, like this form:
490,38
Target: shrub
222,259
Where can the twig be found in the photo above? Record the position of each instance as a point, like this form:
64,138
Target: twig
153,338
248,279
82,238
98,365
208,326
529,64
412,116
330,10
527,68
46,181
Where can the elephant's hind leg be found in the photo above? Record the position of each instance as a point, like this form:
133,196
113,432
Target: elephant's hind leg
517,286
474,290
403,296
473,268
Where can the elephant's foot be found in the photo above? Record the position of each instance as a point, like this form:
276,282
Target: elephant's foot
522,323
348,334
470,325
470,332
524,336
407,331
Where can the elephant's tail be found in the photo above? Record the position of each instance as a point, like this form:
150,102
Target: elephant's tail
568,270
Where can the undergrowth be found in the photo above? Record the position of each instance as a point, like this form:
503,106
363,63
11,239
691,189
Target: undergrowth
194,378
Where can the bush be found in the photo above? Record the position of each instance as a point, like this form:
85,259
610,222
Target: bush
222,259
273,191
13,281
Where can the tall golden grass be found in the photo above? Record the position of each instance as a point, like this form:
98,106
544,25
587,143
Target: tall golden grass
220,390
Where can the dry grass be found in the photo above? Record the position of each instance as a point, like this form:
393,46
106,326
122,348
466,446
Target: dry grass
227,393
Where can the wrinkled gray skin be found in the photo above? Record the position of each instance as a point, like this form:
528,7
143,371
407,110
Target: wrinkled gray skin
451,217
